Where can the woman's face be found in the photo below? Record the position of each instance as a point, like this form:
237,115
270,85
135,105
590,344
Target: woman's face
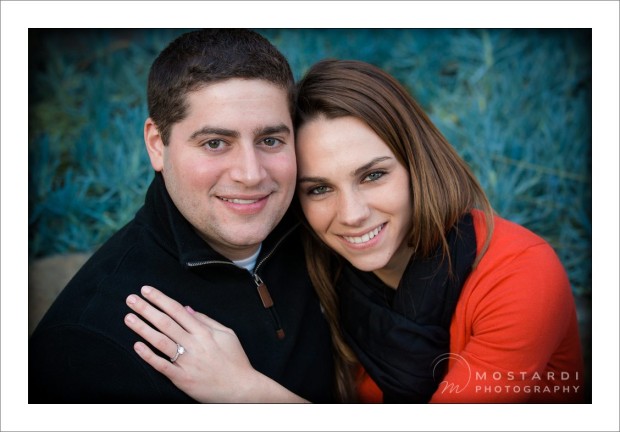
355,194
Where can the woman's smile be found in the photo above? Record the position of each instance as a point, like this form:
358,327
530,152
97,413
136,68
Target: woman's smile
364,240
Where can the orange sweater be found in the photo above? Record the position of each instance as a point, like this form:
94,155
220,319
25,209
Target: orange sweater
514,336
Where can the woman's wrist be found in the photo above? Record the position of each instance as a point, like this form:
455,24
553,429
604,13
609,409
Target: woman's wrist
259,388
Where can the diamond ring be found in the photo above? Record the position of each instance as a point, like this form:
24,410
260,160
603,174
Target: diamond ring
180,350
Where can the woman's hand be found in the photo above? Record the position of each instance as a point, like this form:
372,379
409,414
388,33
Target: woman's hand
214,366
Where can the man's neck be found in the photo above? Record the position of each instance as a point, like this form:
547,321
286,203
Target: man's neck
250,262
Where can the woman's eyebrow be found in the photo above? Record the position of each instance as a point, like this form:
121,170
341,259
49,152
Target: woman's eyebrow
355,173
369,165
311,180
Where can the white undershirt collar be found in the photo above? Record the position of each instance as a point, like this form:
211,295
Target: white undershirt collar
250,262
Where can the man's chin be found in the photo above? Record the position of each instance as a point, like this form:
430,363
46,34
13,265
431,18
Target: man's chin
246,238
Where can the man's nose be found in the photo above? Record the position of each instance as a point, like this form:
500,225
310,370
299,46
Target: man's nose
247,167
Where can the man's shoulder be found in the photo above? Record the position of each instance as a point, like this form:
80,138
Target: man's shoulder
100,286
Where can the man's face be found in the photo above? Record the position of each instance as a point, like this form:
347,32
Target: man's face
230,164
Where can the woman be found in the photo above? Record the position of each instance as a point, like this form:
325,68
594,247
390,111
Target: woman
429,295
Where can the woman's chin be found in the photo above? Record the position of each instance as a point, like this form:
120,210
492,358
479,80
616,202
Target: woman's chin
365,265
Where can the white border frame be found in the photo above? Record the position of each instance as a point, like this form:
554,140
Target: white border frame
17,17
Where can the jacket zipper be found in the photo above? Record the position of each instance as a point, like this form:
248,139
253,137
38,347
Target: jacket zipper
263,292
261,287
265,297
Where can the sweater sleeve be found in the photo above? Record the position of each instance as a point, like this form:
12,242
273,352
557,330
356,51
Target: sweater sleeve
72,364
520,310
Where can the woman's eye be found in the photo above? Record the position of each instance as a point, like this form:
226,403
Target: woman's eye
319,190
374,176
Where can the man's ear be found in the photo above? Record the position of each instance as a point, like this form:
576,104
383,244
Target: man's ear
154,144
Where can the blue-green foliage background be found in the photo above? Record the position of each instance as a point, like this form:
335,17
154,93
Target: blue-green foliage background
516,104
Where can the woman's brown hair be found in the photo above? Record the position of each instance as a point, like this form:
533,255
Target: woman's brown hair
443,187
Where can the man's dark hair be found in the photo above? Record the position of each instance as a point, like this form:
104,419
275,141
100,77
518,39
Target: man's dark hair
206,56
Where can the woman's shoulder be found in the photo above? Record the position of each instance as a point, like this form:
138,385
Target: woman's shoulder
507,237
517,253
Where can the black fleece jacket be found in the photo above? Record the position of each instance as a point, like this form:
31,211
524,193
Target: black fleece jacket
82,352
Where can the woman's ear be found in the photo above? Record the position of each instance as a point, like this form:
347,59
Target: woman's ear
154,144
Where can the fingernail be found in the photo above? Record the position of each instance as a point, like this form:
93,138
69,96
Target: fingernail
130,318
190,310
146,290
132,299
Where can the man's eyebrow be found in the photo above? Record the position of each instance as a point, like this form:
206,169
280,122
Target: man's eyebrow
260,131
207,130
270,130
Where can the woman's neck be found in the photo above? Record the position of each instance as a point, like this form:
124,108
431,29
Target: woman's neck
393,272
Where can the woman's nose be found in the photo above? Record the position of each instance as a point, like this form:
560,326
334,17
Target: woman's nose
354,209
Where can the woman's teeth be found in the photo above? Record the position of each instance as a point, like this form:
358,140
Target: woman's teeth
366,237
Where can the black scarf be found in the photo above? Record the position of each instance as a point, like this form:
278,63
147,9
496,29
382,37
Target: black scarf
399,335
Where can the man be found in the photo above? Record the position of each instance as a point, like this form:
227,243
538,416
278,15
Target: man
214,233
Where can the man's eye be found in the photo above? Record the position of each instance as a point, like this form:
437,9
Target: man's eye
271,142
214,144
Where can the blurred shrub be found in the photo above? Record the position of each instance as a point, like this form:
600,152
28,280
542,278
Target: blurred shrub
516,104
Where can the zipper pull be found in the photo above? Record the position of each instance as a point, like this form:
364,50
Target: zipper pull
265,297
263,292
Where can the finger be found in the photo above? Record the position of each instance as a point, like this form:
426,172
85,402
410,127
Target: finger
160,364
159,319
160,341
170,307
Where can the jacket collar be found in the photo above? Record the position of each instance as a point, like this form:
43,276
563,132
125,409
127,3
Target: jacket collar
177,235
